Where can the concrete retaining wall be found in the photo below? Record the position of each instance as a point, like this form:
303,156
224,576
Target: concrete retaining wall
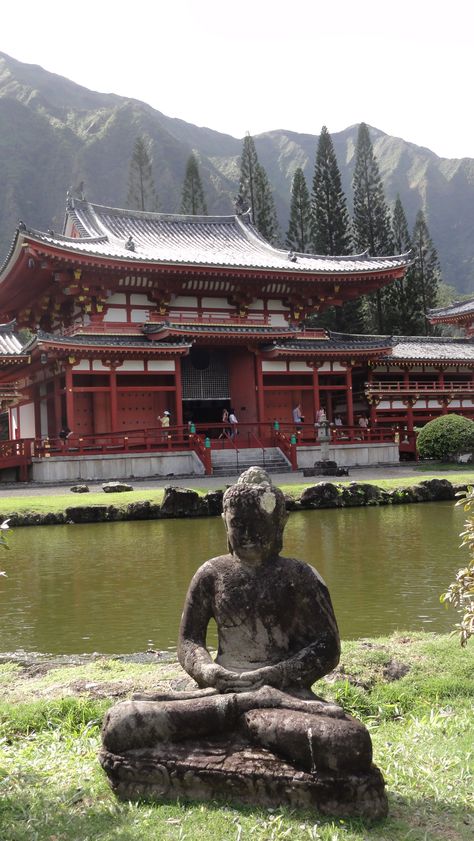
139,465
351,455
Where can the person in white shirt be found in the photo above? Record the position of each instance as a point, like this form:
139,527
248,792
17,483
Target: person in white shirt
233,423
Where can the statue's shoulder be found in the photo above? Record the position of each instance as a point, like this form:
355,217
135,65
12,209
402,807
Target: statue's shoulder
213,566
301,571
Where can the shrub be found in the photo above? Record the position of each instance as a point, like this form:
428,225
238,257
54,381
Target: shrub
461,592
446,437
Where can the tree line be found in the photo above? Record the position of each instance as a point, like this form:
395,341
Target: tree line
320,223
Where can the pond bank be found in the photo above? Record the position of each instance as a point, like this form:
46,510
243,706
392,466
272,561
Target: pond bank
179,502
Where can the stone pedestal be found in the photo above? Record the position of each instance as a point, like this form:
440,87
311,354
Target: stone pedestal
234,771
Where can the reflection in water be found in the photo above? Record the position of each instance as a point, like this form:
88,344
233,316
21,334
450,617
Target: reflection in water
118,587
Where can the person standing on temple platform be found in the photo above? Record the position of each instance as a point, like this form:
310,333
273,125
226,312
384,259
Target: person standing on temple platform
165,424
298,418
233,424
225,419
363,423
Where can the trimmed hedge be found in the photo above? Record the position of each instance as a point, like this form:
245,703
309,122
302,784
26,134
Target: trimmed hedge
446,437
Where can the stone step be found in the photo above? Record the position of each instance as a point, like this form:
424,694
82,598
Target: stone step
226,463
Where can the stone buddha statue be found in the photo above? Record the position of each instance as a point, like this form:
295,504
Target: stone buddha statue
253,730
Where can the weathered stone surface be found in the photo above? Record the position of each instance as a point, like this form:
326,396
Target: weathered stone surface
79,489
87,514
325,468
116,487
182,502
213,500
143,511
360,493
231,770
438,489
277,636
322,495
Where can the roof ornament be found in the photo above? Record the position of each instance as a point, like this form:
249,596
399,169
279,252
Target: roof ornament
292,256
76,193
51,233
241,206
21,225
130,245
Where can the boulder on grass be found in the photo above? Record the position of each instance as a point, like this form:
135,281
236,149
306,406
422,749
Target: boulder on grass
116,487
79,489
182,502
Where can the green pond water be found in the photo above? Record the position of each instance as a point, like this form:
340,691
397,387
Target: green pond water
120,587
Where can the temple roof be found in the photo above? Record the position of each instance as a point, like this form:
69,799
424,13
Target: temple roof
431,349
384,348
94,340
456,310
215,241
211,330
10,345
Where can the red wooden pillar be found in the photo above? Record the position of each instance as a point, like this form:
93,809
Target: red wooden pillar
37,408
316,400
259,388
57,403
69,398
410,416
349,399
178,392
113,400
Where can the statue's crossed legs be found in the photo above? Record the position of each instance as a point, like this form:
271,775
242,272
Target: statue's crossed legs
312,734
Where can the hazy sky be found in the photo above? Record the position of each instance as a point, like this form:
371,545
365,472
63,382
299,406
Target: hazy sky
405,67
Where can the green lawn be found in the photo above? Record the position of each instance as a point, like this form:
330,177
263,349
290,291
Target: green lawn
43,504
52,787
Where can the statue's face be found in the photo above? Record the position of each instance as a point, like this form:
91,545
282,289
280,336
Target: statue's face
254,532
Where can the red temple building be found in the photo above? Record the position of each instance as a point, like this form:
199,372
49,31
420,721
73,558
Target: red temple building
135,314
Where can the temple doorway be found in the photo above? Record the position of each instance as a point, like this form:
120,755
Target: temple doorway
205,385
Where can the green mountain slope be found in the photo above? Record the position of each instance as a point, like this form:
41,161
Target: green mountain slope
55,133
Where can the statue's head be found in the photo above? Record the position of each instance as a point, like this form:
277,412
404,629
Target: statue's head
254,514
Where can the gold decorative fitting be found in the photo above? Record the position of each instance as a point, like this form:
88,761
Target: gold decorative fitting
71,360
77,274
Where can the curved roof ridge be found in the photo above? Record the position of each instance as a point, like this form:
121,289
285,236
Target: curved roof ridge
80,204
53,236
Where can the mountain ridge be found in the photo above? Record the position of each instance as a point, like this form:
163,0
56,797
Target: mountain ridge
55,133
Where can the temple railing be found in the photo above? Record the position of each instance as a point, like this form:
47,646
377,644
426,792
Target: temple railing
17,454
419,387
201,438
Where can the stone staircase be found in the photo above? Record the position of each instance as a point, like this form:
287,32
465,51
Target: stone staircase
233,462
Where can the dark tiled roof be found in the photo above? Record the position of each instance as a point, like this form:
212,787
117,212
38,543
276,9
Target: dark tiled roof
457,308
214,241
334,341
218,329
89,339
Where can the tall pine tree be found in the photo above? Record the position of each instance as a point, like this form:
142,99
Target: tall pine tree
255,191
141,186
192,196
298,236
401,295
426,273
266,220
331,226
248,174
331,232
371,220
